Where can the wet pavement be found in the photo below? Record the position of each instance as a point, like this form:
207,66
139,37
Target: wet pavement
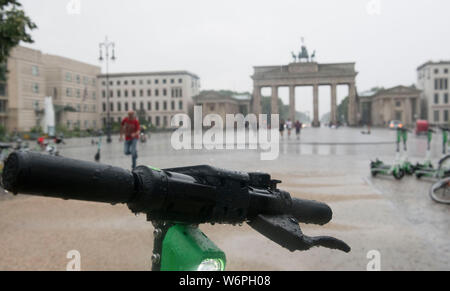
396,218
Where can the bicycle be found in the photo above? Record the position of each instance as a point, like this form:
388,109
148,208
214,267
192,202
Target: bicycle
440,191
177,201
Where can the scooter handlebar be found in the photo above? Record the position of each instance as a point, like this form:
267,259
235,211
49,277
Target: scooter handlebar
45,175
311,212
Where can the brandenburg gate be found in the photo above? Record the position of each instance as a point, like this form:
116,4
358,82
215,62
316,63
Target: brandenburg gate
307,73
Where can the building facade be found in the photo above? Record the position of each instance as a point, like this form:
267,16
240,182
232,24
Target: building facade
400,103
74,88
156,97
32,76
24,93
222,103
309,74
433,79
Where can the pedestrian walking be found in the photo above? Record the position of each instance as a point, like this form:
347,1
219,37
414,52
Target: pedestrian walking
289,127
282,125
298,127
130,128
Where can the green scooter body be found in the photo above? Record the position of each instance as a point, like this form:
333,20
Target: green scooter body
379,168
397,169
427,169
186,248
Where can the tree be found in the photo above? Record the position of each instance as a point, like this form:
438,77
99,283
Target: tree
342,111
266,104
14,27
60,110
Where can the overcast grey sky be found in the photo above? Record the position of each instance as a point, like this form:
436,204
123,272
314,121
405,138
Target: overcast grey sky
222,40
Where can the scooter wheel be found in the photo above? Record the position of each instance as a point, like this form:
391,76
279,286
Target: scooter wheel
399,174
374,174
410,171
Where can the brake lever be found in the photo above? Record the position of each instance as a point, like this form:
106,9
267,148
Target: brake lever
285,231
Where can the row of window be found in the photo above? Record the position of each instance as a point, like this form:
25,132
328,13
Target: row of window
156,120
35,71
427,73
86,107
77,93
437,99
437,116
69,92
35,88
3,106
440,84
126,107
2,89
174,93
141,82
69,78
77,124
437,71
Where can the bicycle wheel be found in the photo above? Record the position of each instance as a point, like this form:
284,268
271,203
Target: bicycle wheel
409,170
444,166
440,191
398,174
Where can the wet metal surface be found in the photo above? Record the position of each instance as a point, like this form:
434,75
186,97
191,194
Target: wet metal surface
398,219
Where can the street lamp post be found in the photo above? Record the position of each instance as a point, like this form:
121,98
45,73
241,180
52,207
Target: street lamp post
107,45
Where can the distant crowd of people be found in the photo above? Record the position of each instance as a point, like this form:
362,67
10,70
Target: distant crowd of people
289,125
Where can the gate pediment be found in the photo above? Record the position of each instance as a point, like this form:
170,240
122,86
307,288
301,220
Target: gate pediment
303,68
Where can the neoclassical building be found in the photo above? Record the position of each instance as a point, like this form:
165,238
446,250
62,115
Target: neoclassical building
312,74
155,96
401,103
223,103
33,75
433,79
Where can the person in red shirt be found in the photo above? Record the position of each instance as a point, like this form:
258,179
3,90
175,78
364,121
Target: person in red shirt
41,142
130,129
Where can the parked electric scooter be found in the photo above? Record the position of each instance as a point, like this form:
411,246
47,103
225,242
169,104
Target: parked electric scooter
427,165
440,191
396,169
99,148
405,164
443,168
98,143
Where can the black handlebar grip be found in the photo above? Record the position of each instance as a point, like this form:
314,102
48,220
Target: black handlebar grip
45,175
308,211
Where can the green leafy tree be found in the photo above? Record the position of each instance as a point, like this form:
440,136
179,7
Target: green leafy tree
342,111
2,72
60,110
14,28
266,103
